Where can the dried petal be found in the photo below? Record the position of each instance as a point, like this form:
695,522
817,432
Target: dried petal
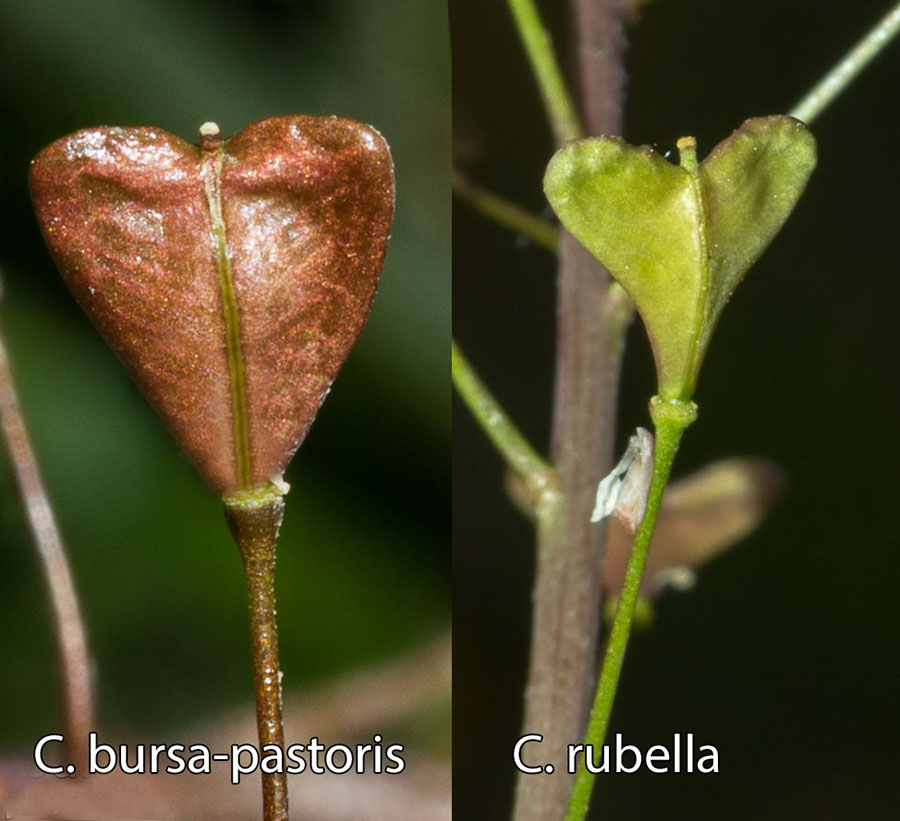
701,516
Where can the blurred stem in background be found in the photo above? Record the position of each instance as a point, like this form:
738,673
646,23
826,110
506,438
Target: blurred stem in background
506,213
554,91
519,455
847,70
73,657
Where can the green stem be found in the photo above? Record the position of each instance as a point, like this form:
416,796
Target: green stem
513,447
670,419
254,518
833,83
506,213
557,100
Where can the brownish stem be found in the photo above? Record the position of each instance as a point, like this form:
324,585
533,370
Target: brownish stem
600,42
71,640
591,321
254,523
569,562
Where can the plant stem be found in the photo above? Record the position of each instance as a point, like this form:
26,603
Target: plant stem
599,27
513,447
568,576
557,102
254,518
71,640
670,420
591,319
506,213
833,83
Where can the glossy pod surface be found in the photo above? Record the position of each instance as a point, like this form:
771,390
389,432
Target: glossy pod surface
232,278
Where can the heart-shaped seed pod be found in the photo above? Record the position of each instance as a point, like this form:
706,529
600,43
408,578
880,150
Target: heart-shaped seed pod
679,238
232,278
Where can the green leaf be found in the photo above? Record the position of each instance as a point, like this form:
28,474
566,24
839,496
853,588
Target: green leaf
680,238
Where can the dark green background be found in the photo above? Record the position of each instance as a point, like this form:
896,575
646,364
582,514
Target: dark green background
785,656
364,560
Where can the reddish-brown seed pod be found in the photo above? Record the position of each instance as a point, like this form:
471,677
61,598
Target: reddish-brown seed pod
232,278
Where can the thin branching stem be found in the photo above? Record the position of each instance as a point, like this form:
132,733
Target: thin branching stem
836,80
506,213
71,638
512,446
670,420
557,100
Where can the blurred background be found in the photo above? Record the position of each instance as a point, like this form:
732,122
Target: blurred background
363,573
785,654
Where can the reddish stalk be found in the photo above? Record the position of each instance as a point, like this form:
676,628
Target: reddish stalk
68,625
254,521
